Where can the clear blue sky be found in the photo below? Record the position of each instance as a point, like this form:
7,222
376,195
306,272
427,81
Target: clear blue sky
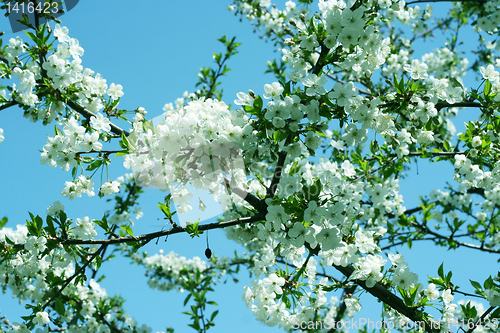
154,49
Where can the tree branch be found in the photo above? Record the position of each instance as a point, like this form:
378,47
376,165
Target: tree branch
424,1
442,105
8,105
343,306
319,66
256,203
277,175
87,114
471,246
390,299
68,280
431,29
147,237
480,321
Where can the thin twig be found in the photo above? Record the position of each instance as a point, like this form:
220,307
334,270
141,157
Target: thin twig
481,319
431,29
68,280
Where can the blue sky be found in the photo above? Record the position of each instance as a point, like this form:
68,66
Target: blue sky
154,49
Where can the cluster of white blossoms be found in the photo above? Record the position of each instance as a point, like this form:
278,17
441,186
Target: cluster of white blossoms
201,143
471,175
62,71
272,19
25,275
325,227
444,63
197,144
64,148
167,271
491,20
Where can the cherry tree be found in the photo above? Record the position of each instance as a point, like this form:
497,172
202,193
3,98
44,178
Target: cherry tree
307,173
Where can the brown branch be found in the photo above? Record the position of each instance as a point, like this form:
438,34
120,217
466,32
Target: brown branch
390,299
434,153
256,203
281,261
424,1
480,321
87,114
405,242
442,105
147,237
467,294
277,175
319,66
8,105
343,306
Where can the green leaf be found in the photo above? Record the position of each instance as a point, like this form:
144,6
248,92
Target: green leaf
165,208
97,263
440,271
187,299
258,103
33,225
39,223
487,88
50,226
489,284
3,221
128,230
476,285
124,143
147,125
94,165
122,152
192,229
59,306
9,241
446,145
137,245
103,224
31,35
58,131
212,317
312,192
